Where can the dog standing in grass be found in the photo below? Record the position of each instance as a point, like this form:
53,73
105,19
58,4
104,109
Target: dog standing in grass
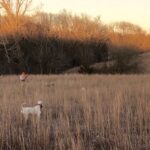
35,110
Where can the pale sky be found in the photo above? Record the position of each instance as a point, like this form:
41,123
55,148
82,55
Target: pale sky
134,11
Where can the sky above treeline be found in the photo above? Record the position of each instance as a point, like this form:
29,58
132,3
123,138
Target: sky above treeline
134,11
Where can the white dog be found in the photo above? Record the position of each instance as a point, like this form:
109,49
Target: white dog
32,110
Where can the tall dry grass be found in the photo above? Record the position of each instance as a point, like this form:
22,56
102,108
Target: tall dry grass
80,112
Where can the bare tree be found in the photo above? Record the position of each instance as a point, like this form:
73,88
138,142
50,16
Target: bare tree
15,7
12,12
127,28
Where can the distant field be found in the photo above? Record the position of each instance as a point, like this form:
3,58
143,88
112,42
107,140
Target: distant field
81,112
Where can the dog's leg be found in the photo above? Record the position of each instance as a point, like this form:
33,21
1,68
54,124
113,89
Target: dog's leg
26,117
38,117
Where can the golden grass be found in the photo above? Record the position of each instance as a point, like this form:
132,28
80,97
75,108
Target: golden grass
111,112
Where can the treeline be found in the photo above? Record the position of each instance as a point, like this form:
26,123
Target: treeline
125,33
51,55
53,43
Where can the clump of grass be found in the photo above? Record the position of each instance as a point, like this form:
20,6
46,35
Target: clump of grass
80,112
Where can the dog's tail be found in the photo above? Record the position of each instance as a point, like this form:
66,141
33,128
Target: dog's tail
22,105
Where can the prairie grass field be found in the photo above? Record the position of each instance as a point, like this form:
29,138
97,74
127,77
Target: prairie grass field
80,112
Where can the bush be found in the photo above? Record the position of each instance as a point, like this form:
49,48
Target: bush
125,58
52,55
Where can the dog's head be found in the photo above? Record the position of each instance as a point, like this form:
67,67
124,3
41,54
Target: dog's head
40,103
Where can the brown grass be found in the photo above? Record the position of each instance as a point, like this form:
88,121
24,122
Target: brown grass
112,112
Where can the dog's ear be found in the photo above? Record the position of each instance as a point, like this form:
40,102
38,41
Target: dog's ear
41,106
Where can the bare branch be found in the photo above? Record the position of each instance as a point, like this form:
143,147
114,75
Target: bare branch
27,5
16,8
6,5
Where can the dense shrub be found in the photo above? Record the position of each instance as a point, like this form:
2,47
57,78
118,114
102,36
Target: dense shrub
52,55
125,59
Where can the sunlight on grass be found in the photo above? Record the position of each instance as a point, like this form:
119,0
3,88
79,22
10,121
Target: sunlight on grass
80,112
